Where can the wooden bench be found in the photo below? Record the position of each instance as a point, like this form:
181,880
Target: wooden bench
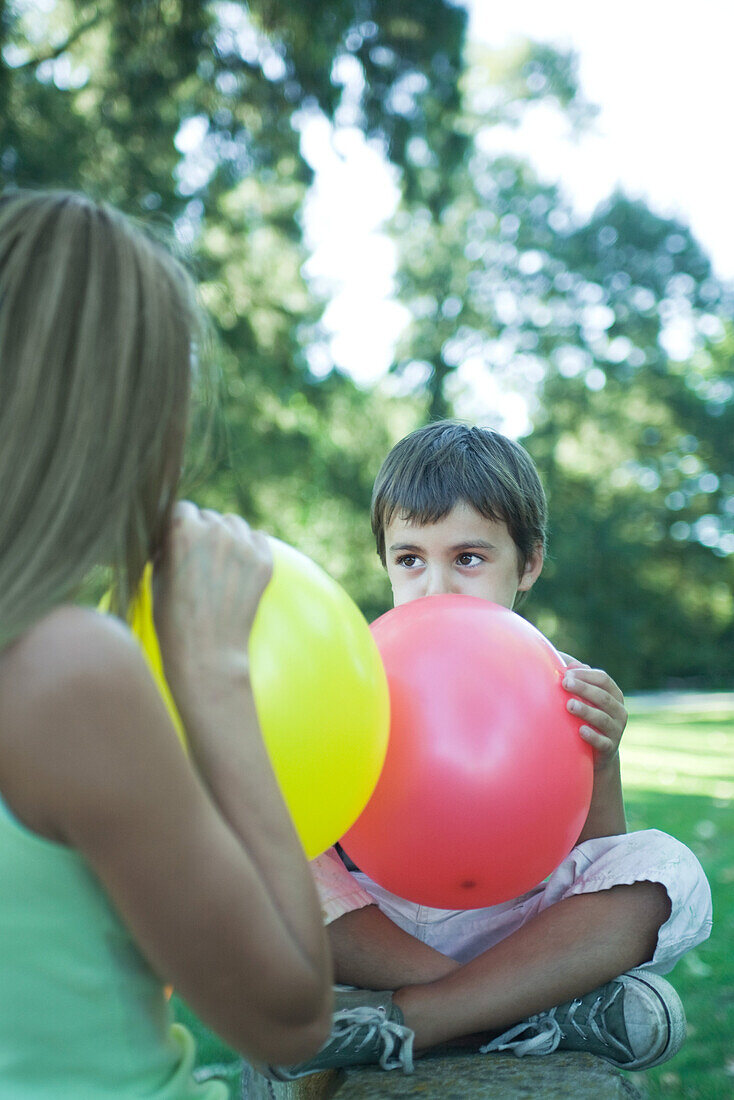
461,1076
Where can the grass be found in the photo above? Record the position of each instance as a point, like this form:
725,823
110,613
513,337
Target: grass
678,770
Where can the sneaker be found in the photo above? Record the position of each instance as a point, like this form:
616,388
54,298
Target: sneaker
366,1029
634,1022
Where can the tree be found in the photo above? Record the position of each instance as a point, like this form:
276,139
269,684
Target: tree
613,328
188,113
618,334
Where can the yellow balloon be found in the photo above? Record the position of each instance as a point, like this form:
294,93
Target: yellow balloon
321,696
140,618
320,690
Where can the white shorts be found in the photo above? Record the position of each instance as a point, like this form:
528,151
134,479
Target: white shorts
598,864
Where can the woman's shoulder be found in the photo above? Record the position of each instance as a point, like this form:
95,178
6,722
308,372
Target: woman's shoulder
69,629
73,675
67,646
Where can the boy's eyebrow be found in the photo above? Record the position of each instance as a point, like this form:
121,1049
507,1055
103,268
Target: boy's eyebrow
402,546
472,544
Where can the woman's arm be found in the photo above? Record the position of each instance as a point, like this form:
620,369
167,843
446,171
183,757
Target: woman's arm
207,590
220,900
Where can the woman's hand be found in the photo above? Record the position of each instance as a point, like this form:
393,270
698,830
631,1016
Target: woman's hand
207,587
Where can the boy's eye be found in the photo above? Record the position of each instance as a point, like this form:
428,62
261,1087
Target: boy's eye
467,559
407,559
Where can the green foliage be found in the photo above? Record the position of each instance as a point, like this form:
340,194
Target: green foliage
614,328
619,335
187,114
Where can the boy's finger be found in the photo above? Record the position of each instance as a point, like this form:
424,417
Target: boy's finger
599,696
601,720
595,677
571,662
598,741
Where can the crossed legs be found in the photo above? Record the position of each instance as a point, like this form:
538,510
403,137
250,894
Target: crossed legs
568,949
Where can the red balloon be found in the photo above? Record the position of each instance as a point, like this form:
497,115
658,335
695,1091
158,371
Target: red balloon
487,782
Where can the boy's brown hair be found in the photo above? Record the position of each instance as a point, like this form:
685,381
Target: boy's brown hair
435,467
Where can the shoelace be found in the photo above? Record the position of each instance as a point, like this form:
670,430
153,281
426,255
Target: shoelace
547,1036
395,1038
549,1033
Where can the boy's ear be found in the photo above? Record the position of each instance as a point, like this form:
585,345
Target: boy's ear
532,570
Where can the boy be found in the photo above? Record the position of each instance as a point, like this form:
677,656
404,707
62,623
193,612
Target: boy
575,963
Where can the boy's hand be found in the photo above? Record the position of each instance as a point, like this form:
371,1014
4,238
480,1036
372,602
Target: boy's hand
600,704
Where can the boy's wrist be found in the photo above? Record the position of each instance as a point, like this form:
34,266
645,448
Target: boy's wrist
606,815
607,777
607,765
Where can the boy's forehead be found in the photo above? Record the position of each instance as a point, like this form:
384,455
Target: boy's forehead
463,523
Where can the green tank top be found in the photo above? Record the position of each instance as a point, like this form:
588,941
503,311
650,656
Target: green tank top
82,1016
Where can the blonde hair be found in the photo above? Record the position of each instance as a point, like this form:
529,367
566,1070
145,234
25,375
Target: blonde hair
96,330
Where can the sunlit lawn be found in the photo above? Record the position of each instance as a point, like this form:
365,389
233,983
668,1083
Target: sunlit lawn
678,764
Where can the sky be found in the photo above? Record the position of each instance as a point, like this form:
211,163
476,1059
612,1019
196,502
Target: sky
660,74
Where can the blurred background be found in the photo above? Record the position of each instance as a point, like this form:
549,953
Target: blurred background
405,209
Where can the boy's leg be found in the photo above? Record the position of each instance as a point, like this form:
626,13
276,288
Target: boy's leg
615,903
371,951
535,967
598,916
565,951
